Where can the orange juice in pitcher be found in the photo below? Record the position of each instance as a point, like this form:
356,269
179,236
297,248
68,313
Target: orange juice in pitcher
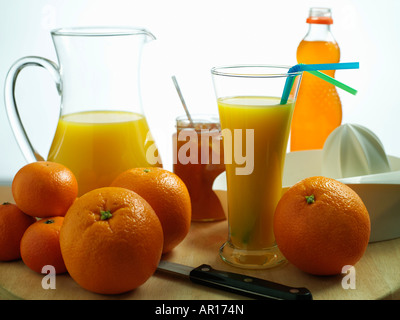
97,146
102,129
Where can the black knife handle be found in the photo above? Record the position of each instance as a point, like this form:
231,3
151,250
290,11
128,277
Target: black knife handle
245,285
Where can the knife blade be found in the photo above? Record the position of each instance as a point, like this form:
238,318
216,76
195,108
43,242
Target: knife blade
233,282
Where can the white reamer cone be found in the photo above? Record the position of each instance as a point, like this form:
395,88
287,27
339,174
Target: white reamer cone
353,150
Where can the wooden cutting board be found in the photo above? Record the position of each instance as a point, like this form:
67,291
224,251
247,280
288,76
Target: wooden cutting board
377,274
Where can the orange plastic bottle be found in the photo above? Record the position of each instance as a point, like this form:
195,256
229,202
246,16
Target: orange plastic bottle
318,109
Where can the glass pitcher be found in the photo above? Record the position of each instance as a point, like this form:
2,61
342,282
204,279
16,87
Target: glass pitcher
102,130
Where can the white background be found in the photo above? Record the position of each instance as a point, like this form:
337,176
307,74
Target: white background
192,37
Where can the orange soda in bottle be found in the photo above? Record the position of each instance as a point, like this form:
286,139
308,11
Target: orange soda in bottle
318,109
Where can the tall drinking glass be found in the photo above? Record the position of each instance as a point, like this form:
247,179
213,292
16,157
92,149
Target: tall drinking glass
255,130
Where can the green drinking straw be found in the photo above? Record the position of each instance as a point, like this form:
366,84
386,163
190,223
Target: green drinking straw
314,70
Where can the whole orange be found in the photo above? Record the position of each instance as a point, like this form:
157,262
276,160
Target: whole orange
40,245
111,240
167,195
321,225
44,189
13,223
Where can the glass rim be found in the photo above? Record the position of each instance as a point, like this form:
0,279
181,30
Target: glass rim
100,31
229,71
183,122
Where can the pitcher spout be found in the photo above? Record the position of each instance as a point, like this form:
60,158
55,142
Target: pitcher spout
150,36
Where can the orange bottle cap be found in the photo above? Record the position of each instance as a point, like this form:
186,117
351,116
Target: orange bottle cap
320,20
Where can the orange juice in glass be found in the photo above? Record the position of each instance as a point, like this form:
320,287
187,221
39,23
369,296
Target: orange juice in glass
198,160
255,127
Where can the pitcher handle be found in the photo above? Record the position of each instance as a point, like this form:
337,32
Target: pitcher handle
14,118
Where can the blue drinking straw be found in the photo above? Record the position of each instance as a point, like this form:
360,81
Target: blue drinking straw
315,70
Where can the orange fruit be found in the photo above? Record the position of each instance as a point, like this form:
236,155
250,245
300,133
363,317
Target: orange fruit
167,195
111,240
13,223
40,245
321,225
44,189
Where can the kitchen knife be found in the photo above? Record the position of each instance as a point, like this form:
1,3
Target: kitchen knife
234,282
